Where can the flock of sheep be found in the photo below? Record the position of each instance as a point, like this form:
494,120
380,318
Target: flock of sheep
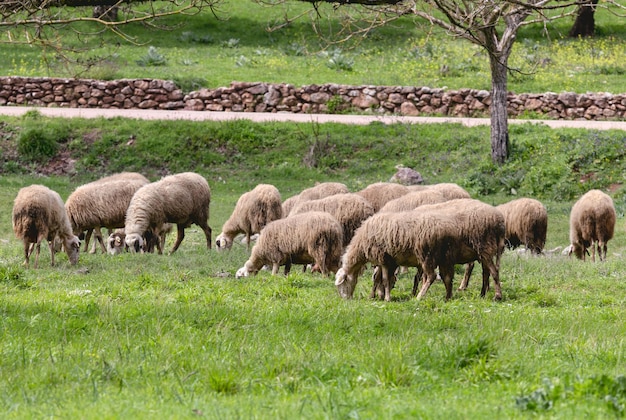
388,225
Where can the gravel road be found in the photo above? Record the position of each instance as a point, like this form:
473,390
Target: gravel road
146,114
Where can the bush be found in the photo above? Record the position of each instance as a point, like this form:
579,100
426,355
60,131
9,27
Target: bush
37,143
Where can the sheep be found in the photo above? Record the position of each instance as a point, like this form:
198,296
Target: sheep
379,193
349,209
321,190
182,198
311,237
450,191
592,223
39,213
413,238
152,239
102,203
479,235
526,222
253,211
412,200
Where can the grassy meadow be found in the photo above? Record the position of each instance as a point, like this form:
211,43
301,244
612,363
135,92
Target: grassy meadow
177,336
237,44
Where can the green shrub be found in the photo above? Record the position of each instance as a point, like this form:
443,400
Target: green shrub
37,143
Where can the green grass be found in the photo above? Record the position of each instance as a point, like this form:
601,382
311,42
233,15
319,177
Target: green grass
205,51
144,336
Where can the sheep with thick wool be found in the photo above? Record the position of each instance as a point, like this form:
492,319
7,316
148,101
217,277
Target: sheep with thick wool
182,199
380,193
253,210
416,238
526,221
349,209
450,190
321,190
304,238
39,213
413,200
592,224
102,203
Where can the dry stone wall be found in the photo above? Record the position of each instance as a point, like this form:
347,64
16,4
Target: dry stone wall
327,98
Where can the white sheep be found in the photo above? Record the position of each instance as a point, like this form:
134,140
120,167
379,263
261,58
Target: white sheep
380,193
526,221
38,213
116,243
182,199
349,209
449,190
102,203
305,238
254,210
592,224
321,190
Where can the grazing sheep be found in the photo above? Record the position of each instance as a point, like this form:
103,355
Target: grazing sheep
349,209
102,203
480,236
253,211
526,221
379,193
182,199
414,238
38,213
321,190
152,239
413,200
592,223
312,237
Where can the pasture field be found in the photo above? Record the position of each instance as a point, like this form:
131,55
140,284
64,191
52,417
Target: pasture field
235,45
177,336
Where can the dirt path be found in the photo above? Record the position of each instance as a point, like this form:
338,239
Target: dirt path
305,118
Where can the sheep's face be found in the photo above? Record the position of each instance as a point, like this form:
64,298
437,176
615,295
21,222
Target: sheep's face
345,283
115,244
72,247
223,242
134,242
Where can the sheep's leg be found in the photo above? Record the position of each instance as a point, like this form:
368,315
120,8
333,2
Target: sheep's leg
248,241
275,267
180,235
98,235
447,275
51,246
469,267
429,278
489,268
28,249
208,233
87,239
288,267
416,280
376,281
386,282
593,252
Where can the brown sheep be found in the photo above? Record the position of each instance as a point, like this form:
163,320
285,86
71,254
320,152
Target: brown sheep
413,200
39,213
592,224
526,221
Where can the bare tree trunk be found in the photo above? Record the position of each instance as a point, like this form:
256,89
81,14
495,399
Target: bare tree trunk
499,112
585,24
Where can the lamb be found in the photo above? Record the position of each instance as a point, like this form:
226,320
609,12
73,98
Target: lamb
182,199
349,209
38,213
592,224
379,193
321,190
304,238
152,239
102,203
526,222
253,211
412,200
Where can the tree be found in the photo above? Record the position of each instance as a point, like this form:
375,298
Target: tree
585,24
491,24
